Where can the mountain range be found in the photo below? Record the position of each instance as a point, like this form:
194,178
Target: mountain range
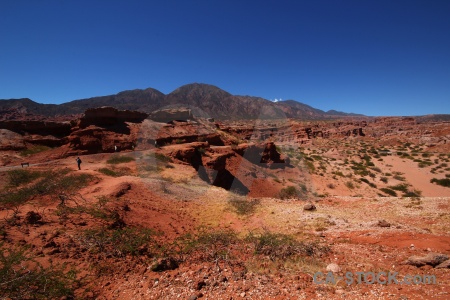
204,100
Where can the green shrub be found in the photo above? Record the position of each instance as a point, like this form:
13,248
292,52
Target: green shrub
163,158
50,183
288,193
444,182
412,194
33,150
368,182
278,246
244,206
424,164
119,242
117,159
389,192
21,277
109,172
400,187
208,244
399,178
350,185
20,176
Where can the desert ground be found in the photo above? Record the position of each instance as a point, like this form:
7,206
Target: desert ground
189,220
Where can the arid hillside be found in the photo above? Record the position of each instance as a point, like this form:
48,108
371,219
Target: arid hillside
198,208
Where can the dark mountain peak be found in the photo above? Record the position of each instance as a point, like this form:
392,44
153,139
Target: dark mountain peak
340,113
200,89
137,92
202,99
19,101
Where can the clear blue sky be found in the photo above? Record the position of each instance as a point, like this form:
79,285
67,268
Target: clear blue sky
383,57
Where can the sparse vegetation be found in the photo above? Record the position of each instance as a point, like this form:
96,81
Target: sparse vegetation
350,185
22,277
119,242
34,150
278,246
389,192
119,159
110,172
243,206
444,182
289,192
55,183
20,176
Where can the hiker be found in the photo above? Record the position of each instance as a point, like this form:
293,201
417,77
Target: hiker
115,148
79,162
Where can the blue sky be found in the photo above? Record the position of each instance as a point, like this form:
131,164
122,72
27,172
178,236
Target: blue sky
371,57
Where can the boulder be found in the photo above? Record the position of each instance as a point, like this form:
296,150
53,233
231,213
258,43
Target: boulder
309,207
333,267
444,265
432,259
383,223
164,264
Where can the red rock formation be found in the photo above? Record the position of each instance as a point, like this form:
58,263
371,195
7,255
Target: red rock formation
107,116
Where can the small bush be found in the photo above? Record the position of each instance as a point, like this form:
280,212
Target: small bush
400,187
412,194
33,150
278,246
50,183
21,277
331,186
244,206
118,242
19,177
376,169
109,172
444,182
389,192
163,158
116,159
368,182
208,244
424,164
288,193
399,178
350,185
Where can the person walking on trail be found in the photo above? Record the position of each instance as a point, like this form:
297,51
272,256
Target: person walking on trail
79,163
115,148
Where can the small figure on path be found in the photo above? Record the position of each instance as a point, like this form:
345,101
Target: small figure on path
79,163
115,148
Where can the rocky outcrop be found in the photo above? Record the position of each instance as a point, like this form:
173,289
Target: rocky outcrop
108,116
10,140
58,129
167,115
188,153
94,139
261,154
